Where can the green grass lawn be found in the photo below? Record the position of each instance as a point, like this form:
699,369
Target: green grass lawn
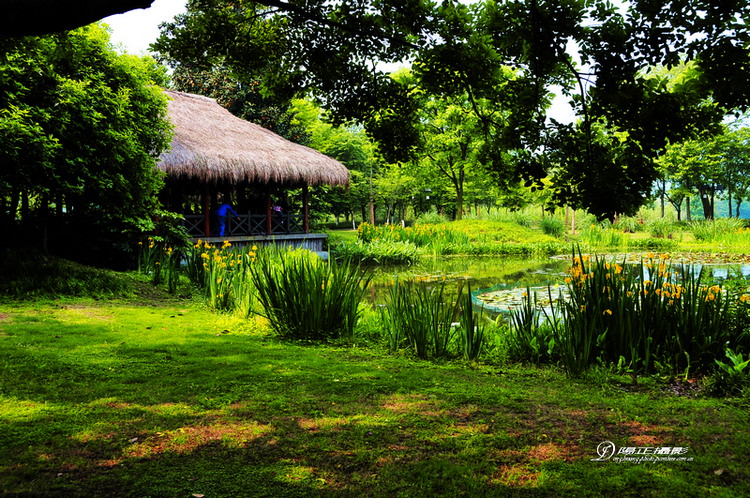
114,398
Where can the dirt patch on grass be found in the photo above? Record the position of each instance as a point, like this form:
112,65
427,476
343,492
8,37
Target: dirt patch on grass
188,439
552,451
413,403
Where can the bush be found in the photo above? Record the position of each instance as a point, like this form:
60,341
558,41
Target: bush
596,236
646,317
721,230
653,244
660,228
523,218
418,316
382,252
732,378
629,224
553,226
27,272
432,217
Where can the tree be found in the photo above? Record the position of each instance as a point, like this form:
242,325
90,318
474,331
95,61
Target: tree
40,17
242,99
332,49
81,129
347,144
706,167
451,137
736,166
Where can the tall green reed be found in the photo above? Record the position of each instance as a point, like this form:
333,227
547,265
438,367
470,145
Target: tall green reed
305,298
644,317
224,275
422,314
596,236
472,332
160,261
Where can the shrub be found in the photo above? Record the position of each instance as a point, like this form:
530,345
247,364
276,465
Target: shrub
432,217
224,275
27,272
596,236
529,338
471,332
732,378
629,224
523,218
661,228
660,245
553,226
730,231
383,252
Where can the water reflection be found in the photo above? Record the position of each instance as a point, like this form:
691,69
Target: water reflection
513,275
480,272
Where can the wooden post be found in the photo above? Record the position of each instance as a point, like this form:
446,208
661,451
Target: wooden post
206,210
305,209
269,225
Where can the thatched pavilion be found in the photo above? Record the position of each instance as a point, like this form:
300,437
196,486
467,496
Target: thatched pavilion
217,157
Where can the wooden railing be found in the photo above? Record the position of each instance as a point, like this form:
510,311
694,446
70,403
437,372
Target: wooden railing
246,224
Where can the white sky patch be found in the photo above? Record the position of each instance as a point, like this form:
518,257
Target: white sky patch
136,29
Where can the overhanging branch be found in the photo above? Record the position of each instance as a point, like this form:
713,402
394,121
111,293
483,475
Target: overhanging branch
40,17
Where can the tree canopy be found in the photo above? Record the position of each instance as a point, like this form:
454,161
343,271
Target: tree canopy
706,167
335,50
81,129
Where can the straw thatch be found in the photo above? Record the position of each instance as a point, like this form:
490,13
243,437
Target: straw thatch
211,144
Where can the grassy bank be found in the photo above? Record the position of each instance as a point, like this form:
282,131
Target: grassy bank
127,399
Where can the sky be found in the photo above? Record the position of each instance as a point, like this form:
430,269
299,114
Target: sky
134,30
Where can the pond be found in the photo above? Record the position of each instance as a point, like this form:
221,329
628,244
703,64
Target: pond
500,283
479,272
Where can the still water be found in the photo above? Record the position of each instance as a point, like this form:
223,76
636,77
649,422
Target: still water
478,272
508,278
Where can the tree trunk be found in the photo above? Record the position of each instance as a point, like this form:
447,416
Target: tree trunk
663,188
459,203
739,201
688,218
708,212
24,207
730,204
573,222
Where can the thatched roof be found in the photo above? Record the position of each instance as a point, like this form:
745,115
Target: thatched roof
212,144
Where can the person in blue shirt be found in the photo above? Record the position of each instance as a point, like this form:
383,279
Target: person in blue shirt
221,217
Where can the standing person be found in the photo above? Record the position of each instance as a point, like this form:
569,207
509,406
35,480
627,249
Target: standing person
221,216
278,214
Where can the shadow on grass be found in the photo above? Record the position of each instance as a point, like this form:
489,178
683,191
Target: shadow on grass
152,409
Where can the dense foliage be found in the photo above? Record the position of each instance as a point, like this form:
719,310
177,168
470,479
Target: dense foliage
243,99
81,128
333,50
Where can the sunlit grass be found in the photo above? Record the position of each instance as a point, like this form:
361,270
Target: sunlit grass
175,401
